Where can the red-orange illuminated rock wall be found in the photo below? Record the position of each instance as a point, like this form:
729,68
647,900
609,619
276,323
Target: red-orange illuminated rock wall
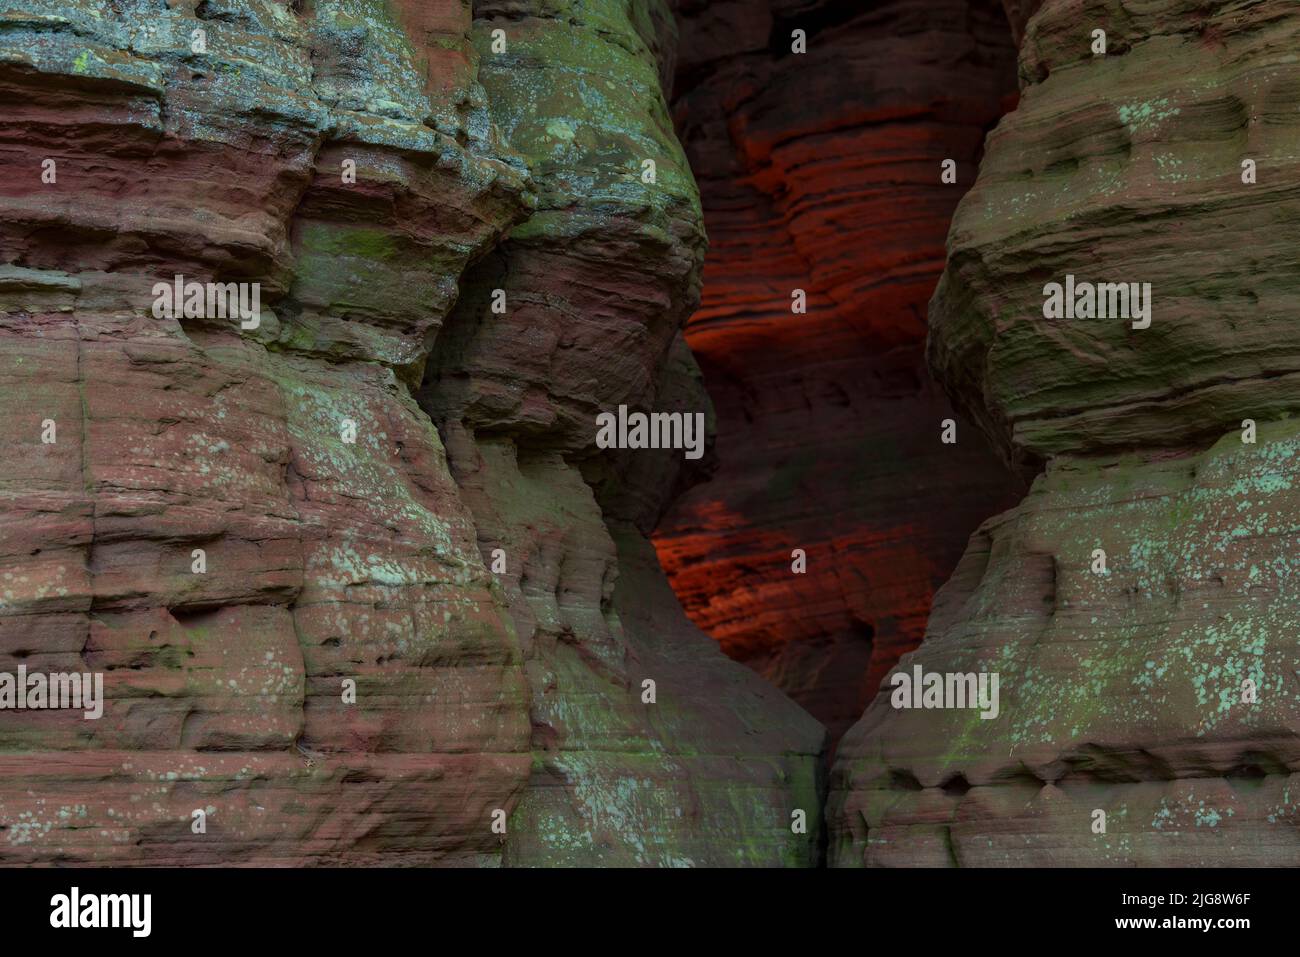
821,171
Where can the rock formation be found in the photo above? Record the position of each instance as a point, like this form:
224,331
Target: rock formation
386,481
1140,603
362,586
821,172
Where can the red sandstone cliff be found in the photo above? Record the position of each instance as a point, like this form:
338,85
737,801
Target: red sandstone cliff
821,172
348,467
1140,604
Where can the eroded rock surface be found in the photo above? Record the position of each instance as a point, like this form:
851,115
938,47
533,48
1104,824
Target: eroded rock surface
1161,689
597,285
821,172
328,559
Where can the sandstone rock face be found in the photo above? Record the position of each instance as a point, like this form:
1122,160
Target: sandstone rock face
821,172
1149,170
1158,689
597,285
340,475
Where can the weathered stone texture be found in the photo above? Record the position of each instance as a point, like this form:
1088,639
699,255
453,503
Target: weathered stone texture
821,172
327,559
1122,690
598,284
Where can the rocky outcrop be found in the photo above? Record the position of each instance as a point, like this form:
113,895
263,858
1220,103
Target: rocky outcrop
821,172
235,524
1139,603
597,285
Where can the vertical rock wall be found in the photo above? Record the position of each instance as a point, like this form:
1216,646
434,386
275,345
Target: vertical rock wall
1157,689
597,285
820,172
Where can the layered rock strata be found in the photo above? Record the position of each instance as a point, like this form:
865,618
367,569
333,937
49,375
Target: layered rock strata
1139,604
822,172
235,524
